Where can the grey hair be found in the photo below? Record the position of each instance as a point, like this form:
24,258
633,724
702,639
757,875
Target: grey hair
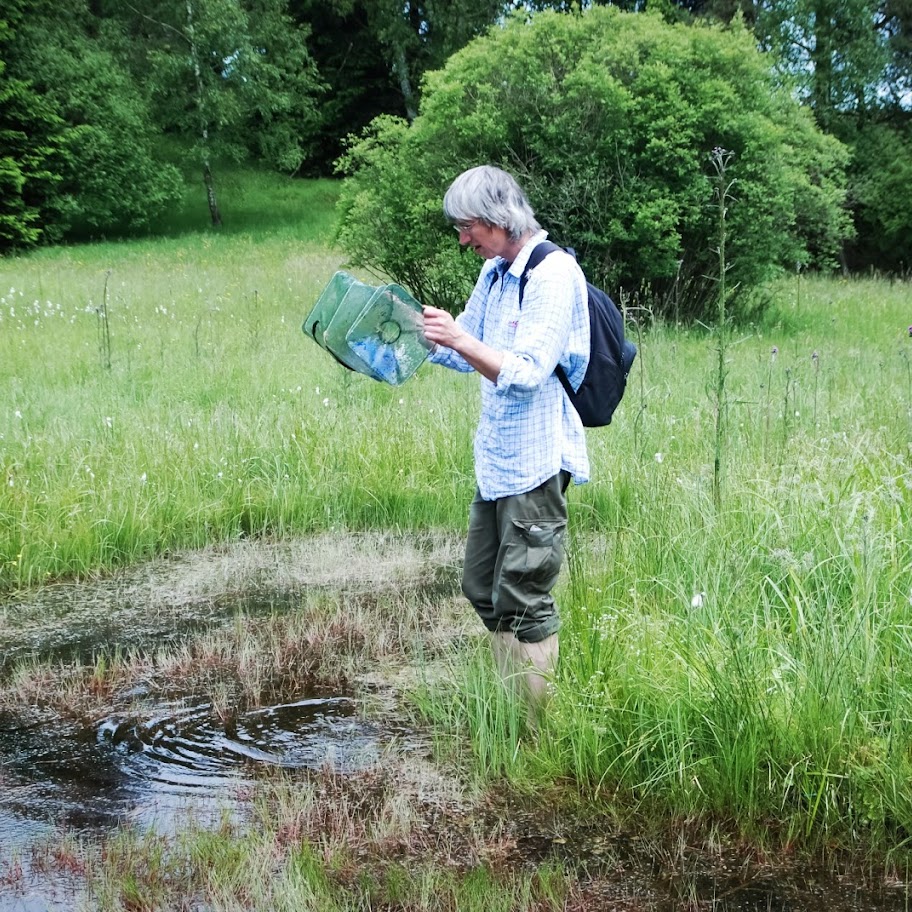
493,196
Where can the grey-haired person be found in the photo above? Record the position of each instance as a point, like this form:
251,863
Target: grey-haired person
530,441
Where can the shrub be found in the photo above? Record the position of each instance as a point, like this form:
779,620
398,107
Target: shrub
97,164
608,119
881,196
28,128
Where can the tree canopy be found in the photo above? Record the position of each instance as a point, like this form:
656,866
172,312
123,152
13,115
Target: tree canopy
90,89
609,120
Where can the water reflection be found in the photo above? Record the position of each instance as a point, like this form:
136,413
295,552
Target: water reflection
154,766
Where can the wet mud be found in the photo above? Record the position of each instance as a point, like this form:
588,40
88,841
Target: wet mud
165,601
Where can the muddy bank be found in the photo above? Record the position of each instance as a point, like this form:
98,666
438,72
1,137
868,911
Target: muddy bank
165,600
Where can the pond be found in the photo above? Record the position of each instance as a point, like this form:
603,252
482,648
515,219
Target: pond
169,766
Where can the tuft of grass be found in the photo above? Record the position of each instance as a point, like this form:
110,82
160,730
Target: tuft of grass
741,665
333,640
474,710
328,844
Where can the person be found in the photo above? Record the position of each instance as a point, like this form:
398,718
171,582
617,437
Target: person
529,441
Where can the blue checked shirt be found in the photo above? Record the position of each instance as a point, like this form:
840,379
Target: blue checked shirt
528,430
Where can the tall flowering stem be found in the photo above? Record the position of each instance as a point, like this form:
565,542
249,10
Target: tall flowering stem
721,159
104,327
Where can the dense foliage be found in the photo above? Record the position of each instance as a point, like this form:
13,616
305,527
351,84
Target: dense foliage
28,131
882,197
103,100
608,119
850,62
107,171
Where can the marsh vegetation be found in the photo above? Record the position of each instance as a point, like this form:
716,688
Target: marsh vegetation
736,673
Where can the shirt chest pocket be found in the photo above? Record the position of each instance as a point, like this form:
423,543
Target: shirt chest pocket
503,331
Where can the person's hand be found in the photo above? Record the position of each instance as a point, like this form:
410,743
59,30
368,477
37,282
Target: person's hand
440,327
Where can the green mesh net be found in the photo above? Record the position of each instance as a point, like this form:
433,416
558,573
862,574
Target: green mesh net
374,330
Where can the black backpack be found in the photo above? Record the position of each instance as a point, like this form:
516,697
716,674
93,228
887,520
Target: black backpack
610,355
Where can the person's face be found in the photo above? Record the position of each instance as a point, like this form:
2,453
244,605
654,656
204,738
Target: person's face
488,241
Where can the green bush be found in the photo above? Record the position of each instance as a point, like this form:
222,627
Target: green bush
28,130
109,176
881,196
608,119
98,141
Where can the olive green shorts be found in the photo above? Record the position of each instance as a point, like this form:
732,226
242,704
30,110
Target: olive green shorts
514,552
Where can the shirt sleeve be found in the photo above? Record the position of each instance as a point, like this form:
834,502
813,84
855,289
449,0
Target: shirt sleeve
550,299
471,320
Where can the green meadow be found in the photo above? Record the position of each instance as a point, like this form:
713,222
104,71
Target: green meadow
740,665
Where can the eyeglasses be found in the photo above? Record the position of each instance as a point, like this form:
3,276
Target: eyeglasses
459,227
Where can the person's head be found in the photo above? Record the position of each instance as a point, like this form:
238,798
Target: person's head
492,196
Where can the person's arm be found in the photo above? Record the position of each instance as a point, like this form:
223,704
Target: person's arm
553,293
441,329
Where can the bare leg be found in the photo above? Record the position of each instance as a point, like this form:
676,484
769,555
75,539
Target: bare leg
538,663
502,645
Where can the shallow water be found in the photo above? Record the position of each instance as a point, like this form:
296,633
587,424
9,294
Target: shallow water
162,763
155,768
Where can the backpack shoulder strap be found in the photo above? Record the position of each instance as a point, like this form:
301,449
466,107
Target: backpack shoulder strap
538,254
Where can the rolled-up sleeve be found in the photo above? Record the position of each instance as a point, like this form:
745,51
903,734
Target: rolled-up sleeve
541,337
446,357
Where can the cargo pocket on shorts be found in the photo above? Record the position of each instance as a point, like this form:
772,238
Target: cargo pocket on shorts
537,550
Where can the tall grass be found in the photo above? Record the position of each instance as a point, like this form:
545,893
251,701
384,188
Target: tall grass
216,419
749,663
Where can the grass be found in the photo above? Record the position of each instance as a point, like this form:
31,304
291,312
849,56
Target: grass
749,663
216,420
743,661
305,849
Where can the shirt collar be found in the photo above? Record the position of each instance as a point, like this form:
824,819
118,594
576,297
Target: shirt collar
518,266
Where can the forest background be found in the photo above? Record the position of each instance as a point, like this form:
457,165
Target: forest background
106,107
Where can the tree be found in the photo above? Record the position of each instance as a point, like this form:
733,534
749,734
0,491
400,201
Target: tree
851,62
895,21
28,132
354,67
234,78
284,89
881,197
413,36
608,119
84,121
419,35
